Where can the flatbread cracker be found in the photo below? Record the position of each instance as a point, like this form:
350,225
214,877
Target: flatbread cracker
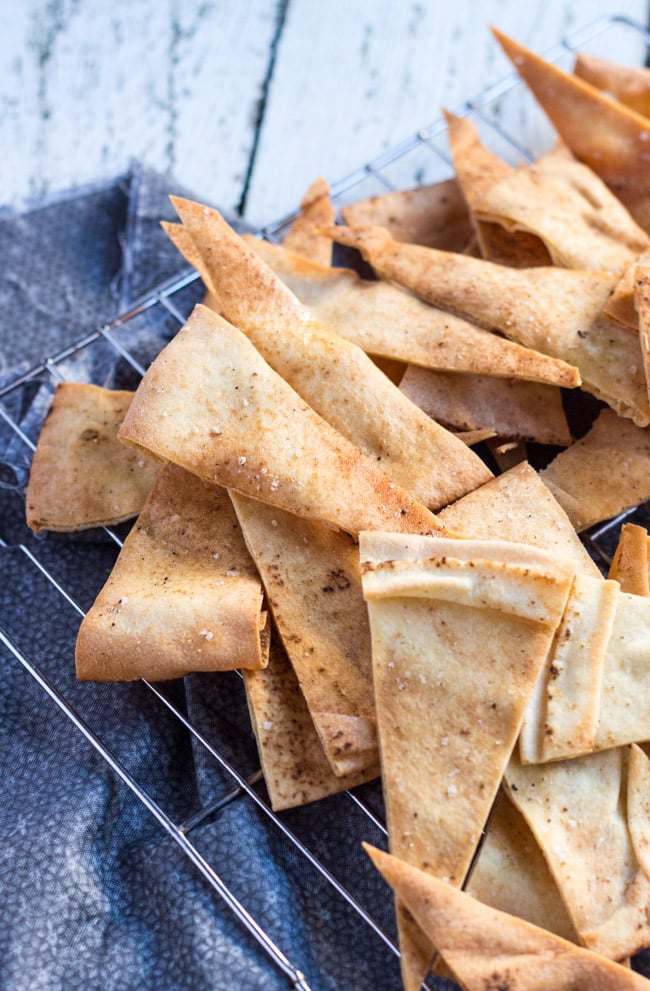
487,949
313,586
435,215
335,377
630,565
432,605
604,473
385,321
511,875
294,765
517,506
510,408
574,808
562,720
478,170
628,84
556,311
183,595
577,219
302,237
211,404
610,137
81,476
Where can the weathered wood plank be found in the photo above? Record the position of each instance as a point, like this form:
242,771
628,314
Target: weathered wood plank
87,87
353,79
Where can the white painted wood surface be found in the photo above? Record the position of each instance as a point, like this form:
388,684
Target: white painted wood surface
246,101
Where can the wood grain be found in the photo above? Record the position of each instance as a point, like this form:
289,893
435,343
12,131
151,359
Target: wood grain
246,102
361,77
89,86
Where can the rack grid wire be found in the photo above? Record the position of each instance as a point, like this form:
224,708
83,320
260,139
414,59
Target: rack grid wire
128,344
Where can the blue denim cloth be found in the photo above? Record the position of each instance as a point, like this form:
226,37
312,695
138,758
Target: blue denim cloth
94,895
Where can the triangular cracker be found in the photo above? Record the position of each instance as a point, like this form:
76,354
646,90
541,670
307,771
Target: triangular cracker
433,604
315,208
334,376
607,135
478,170
435,215
487,949
385,321
517,506
295,768
81,476
556,311
579,222
629,84
210,403
183,595
313,586
512,409
630,565
575,810
604,473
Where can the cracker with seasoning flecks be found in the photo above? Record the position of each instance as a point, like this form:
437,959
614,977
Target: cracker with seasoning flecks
295,767
488,950
81,475
435,605
435,215
313,587
554,310
210,403
333,375
601,131
184,594
577,220
389,323
509,408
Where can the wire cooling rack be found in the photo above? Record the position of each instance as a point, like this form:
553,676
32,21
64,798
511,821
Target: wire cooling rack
59,568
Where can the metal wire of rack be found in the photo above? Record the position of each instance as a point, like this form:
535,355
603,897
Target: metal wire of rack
130,342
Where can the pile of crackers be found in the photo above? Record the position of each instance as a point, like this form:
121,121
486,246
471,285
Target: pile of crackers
311,509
